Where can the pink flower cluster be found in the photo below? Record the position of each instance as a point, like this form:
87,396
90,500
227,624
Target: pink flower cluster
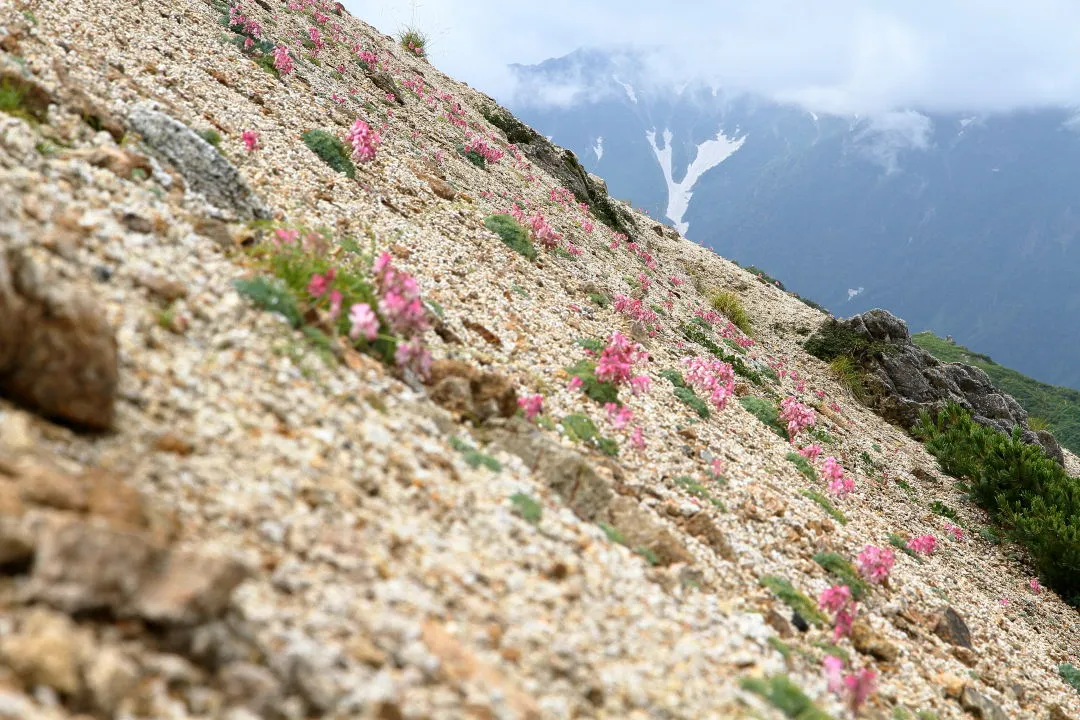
810,452
237,19
617,360
714,377
856,687
839,484
955,531
364,141
283,61
875,563
797,416
532,405
481,148
367,57
543,232
561,196
400,305
251,140
837,600
923,544
618,415
635,309
316,39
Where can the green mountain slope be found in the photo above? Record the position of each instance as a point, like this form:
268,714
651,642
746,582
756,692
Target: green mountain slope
1058,406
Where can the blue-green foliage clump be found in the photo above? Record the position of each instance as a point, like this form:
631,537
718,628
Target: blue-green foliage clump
330,150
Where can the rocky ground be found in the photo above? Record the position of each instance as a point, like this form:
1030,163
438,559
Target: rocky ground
209,513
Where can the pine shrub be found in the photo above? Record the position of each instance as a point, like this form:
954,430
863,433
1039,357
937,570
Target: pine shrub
1027,493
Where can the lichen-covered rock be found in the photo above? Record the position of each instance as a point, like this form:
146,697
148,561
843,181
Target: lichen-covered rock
58,354
205,170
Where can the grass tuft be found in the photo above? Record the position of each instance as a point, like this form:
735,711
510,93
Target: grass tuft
794,599
802,465
844,571
826,505
729,304
765,411
785,696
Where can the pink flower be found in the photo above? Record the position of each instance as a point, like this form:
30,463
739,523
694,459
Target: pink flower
810,452
717,467
364,141
837,599
640,384
637,438
287,237
414,355
283,62
364,322
796,415
713,377
876,563
860,686
335,304
834,598
956,532
1033,583
842,487
619,417
617,360
319,284
575,383
834,673
251,139
923,544
574,250
533,405
820,394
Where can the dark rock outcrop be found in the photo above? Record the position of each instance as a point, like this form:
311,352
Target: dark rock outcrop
903,379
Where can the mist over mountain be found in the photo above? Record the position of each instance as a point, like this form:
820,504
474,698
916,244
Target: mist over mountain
967,224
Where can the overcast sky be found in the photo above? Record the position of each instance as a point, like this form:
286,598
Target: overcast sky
830,55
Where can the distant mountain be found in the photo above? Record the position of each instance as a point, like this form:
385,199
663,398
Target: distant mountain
965,224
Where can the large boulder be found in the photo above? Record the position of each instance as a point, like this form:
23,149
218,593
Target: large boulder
204,168
903,379
58,353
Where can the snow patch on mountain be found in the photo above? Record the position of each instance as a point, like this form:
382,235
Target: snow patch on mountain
628,88
598,148
709,154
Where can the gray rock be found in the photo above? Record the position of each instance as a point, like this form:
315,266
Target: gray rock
952,629
205,170
252,687
905,380
981,706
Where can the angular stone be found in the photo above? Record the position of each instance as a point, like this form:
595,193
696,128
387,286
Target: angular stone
204,168
58,354
952,629
643,529
869,642
110,677
251,686
981,706
189,588
472,393
47,650
702,526
84,568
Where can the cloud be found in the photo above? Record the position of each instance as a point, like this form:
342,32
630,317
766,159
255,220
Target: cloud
839,56
882,138
852,294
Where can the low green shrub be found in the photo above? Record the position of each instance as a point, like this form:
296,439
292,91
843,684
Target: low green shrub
826,505
601,392
512,234
765,411
838,566
1025,492
802,465
331,150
